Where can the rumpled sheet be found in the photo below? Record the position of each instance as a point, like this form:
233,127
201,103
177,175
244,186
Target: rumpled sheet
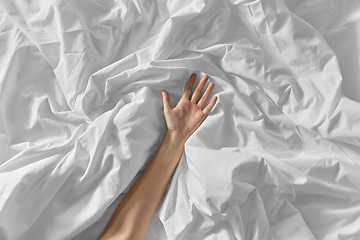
81,117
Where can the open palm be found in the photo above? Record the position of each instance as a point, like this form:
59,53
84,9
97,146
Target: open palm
188,114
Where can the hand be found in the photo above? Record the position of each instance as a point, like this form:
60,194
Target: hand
187,116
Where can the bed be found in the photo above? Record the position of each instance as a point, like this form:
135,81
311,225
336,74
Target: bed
81,116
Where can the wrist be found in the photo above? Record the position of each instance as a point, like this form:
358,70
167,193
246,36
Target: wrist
172,147
174,139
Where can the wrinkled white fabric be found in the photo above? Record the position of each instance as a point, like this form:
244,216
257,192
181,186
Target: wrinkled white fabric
81,117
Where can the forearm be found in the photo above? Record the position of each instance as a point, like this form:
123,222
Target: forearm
133,215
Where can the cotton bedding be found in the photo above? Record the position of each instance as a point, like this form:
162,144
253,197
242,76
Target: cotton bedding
81,116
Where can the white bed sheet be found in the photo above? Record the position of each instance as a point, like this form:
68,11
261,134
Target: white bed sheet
338,22
81,117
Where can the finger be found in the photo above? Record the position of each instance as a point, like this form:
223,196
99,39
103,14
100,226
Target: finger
210,106
166,101
189,86
206,95
199,89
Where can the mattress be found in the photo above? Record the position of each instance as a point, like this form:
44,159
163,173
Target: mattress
81,116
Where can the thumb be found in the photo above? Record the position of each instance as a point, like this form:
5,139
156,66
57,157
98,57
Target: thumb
166,101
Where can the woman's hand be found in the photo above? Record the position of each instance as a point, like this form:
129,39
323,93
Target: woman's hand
132,217
187,116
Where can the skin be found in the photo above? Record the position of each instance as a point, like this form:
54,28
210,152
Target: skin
132,217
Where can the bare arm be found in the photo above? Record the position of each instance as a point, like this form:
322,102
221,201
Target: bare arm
132,217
